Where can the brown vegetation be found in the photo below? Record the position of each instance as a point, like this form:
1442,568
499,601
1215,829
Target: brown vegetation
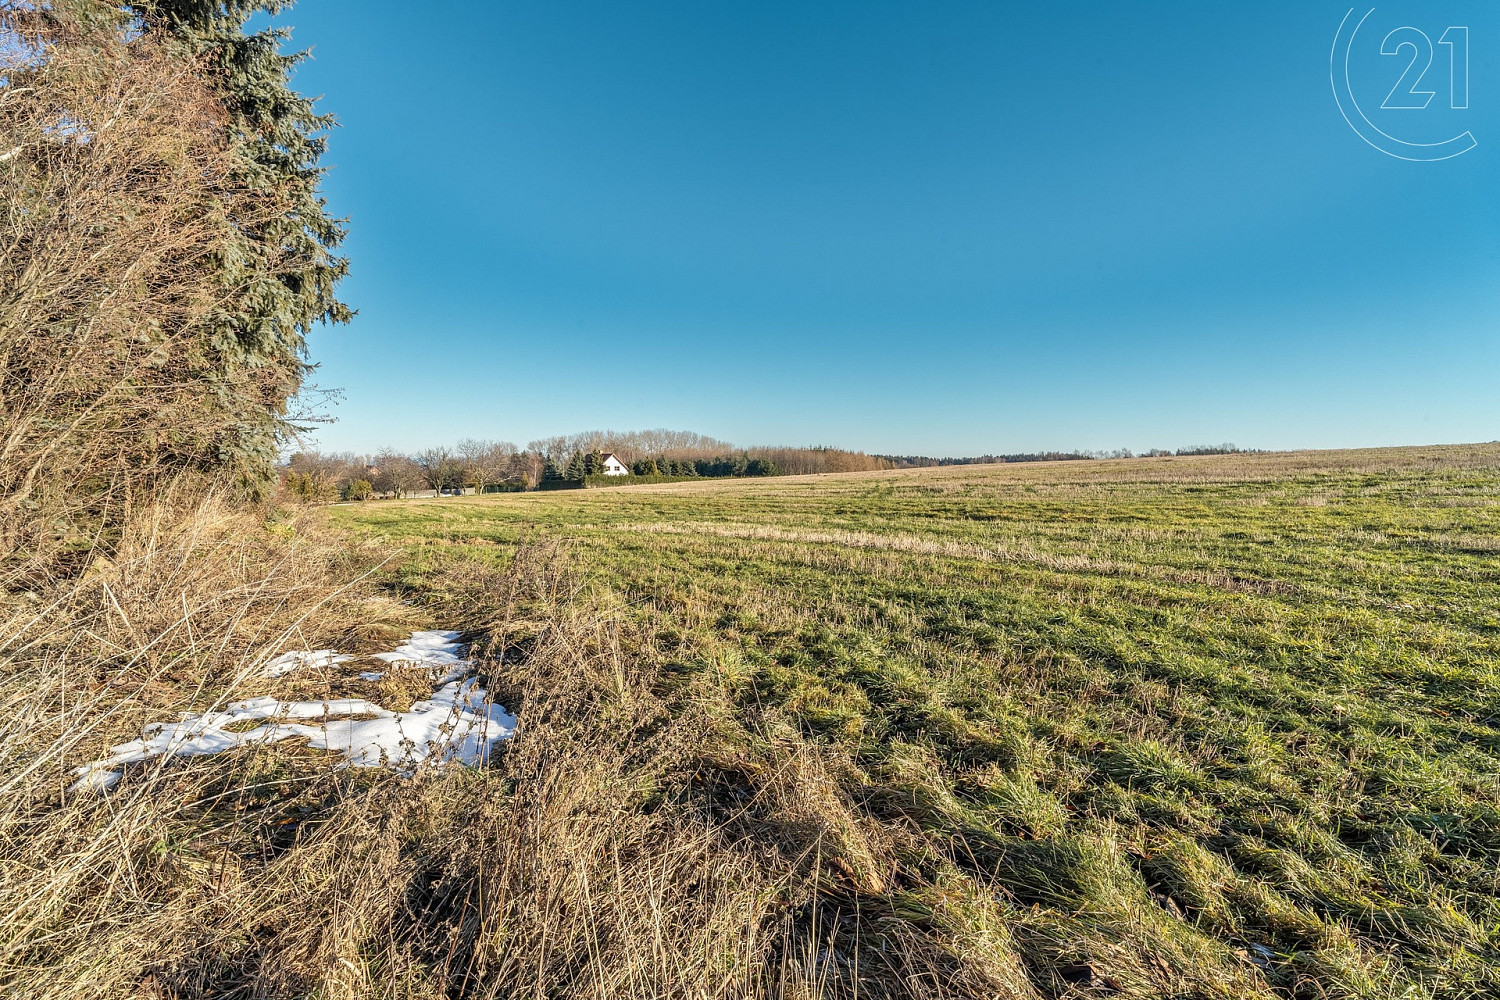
117,191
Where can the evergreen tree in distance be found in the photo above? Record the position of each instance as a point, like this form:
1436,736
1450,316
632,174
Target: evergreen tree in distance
577,467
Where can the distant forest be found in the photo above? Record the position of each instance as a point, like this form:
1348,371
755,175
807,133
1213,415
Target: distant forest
481,466
925,461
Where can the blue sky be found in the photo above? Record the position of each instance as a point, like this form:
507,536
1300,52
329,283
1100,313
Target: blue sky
941,228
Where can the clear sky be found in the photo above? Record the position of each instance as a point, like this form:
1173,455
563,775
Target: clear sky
941,228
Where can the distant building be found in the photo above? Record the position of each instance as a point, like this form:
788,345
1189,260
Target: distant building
613,466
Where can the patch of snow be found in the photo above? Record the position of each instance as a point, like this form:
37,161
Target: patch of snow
456,724
428,649
298,658
371,675
436,651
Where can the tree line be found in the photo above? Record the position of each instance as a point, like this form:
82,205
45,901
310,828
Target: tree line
585,465
474,464
480,465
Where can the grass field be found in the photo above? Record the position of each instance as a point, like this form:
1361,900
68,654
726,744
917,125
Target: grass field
1217,726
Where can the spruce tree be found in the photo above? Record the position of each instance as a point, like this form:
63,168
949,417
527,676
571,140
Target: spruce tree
280,270
577,469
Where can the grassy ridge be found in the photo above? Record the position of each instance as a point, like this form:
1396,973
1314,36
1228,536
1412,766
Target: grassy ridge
1195,726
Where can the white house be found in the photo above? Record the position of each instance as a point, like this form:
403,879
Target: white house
613,466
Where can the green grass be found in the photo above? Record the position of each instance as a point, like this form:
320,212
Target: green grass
1187,726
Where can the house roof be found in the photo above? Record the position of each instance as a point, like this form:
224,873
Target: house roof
608,455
